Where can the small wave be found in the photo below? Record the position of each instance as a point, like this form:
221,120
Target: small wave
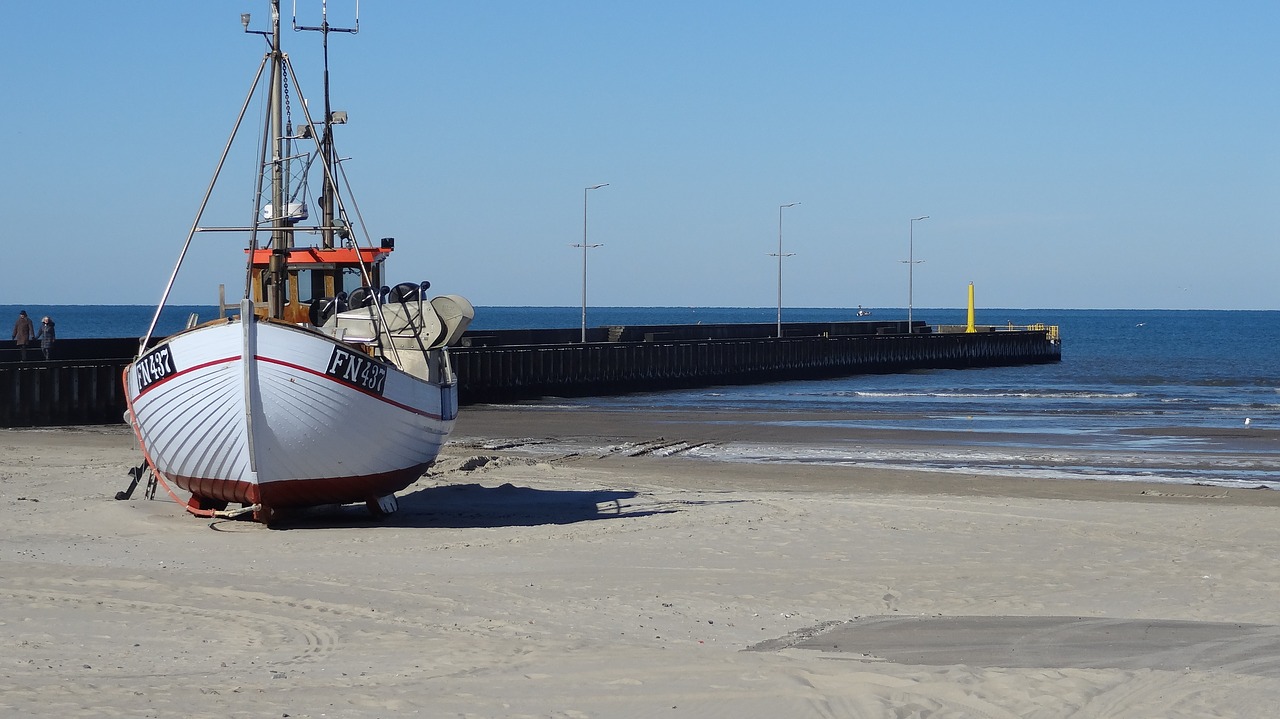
1183,380
1170,468
1266,382
1236,408
996,394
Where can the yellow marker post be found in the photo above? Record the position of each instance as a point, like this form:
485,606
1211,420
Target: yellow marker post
971,328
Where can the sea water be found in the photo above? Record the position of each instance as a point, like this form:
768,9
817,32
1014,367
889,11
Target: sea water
1153,395
93,321
1166,395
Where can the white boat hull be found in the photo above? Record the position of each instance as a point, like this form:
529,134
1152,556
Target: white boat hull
281,416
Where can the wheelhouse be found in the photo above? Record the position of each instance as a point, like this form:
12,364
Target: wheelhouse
318,273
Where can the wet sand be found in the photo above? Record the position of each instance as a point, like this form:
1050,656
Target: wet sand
625,579
542,431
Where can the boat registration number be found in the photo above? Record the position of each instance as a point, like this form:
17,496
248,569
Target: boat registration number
358,370
153,367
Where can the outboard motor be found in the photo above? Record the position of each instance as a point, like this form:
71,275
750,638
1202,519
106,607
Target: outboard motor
455,314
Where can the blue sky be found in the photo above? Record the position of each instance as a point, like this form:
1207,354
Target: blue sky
1069,154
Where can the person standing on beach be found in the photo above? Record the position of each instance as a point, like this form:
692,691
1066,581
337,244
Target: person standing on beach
22,333
46,335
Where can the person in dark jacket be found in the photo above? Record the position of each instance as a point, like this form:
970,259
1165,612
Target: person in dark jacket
46,335
23,333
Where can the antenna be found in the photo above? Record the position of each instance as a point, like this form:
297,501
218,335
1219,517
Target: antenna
324,20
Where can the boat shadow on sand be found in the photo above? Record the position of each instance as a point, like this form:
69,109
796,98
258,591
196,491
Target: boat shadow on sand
462,506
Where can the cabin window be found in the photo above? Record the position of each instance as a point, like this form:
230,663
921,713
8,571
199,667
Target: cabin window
351,277
311,282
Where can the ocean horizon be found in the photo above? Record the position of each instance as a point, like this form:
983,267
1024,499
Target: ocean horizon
125,320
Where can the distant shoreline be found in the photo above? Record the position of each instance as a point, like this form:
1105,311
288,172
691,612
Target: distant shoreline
685,308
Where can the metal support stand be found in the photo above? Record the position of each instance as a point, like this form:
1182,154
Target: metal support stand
135,474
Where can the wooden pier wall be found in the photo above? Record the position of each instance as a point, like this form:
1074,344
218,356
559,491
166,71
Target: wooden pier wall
62,392
497,369
82,385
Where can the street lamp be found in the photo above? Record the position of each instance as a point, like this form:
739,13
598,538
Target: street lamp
779,254
585,247
911,263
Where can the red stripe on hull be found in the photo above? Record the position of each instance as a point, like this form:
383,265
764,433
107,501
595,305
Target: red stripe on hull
357,388
304,492
158,383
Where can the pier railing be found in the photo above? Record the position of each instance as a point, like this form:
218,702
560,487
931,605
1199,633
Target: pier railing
1051,331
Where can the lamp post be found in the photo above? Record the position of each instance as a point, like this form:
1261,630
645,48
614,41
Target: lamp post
911,263
585,247
779,254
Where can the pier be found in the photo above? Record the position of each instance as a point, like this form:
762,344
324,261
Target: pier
82,385
513,364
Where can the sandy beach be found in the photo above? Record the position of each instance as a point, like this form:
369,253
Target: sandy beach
616,576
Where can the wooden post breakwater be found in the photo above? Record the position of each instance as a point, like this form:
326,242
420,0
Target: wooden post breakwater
504,365
501,366
81,385
62,392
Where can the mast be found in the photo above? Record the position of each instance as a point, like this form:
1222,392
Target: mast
328,195
278,270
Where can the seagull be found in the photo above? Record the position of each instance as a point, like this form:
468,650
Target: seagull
1247,421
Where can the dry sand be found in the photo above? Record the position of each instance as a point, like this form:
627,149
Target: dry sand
601,584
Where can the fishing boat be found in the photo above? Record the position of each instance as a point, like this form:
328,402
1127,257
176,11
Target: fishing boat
322,385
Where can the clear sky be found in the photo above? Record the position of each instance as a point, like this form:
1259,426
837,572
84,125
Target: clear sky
1069,154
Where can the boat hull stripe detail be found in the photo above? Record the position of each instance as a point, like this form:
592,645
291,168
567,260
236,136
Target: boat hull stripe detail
179,373
349,385
291,365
